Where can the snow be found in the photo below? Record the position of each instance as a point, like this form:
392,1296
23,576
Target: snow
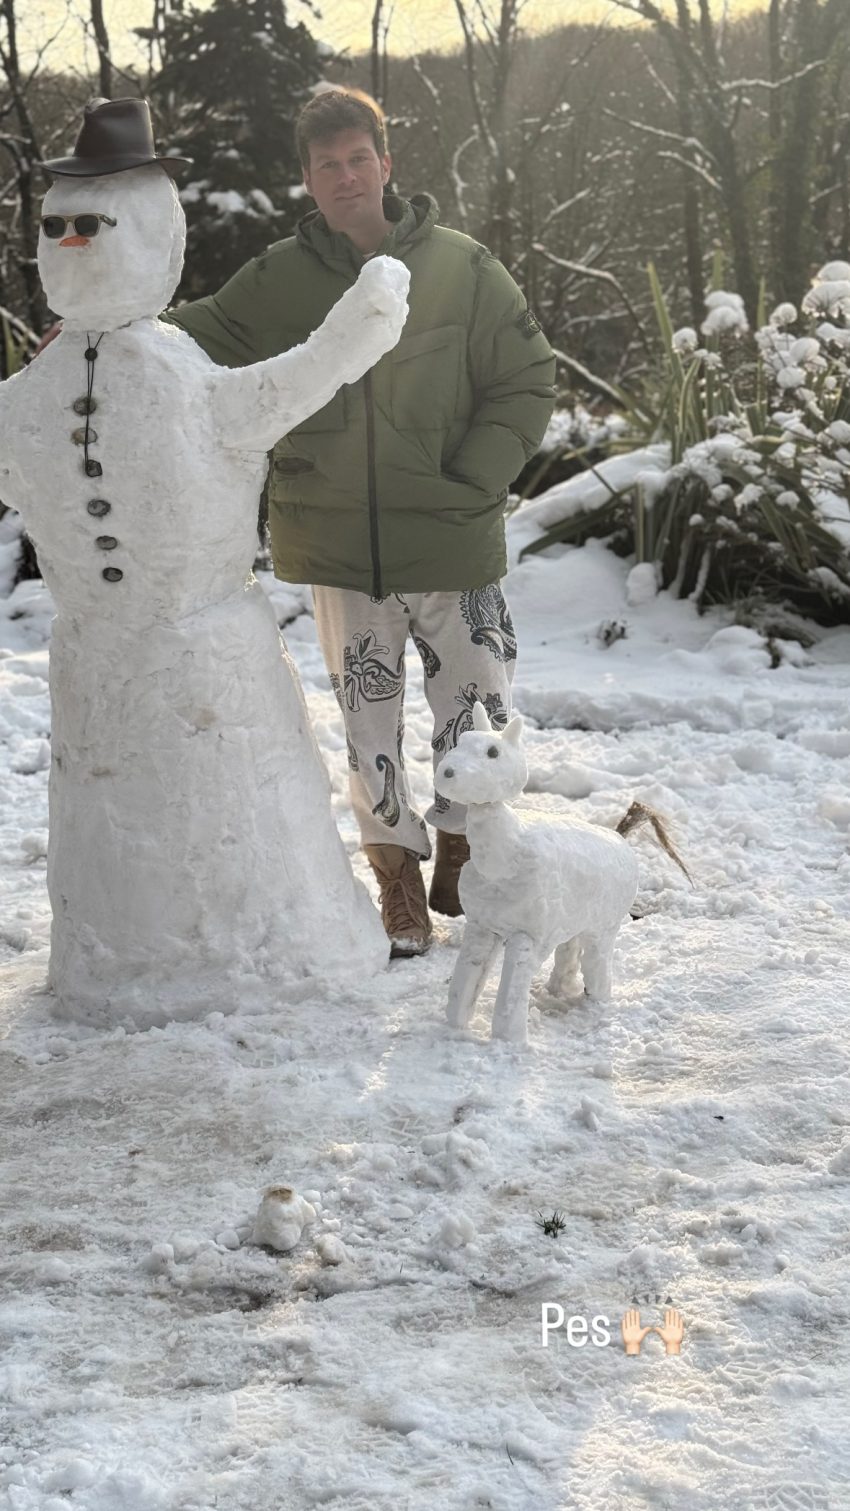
726,313
695,1133
589,489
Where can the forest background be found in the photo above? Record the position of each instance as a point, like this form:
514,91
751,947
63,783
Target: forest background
665,183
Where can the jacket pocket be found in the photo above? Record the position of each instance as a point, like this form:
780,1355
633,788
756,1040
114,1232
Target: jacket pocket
426,378
291,466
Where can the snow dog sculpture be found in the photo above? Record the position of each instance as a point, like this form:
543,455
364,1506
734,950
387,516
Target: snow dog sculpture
193,855
535,882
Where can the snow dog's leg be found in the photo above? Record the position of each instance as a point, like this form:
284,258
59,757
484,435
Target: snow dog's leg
564,980
477,949
510,1016
597,963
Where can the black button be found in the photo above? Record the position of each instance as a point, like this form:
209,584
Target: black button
84,406
112,574
91,353
106,542
98,507
93,469
79,436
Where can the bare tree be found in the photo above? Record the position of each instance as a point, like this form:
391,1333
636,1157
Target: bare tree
381,21
101,37
20,143
805,51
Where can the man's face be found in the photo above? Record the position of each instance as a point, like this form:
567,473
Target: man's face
346,178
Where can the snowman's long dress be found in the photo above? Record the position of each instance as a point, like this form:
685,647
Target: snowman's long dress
193,857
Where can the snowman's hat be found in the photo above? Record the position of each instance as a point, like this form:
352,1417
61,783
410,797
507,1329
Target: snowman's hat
115,135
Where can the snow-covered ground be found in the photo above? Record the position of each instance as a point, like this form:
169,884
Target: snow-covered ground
695,1135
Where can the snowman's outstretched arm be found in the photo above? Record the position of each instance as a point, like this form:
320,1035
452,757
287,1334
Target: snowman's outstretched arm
255,406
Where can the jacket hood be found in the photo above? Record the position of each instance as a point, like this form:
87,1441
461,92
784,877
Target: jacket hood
410,221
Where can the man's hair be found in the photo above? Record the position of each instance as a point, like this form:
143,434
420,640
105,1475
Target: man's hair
339,109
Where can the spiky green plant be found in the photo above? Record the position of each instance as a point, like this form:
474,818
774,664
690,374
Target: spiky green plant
757,430
552,1225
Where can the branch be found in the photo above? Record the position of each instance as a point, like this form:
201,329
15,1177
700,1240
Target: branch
670,136
600,276
567,205
790,78
686,162
588,378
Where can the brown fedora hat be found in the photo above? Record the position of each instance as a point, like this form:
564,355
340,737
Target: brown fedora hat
115,135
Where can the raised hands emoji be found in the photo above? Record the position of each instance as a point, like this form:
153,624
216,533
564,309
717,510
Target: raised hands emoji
673,1331
633,1333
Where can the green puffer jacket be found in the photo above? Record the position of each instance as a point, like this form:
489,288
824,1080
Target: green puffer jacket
399,484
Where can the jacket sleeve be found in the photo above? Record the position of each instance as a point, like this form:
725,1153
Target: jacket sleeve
513,370
228,325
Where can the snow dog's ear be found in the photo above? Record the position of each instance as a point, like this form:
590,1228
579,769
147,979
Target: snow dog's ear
480,720
512,733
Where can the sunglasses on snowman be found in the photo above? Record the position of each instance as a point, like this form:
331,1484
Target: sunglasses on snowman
87,225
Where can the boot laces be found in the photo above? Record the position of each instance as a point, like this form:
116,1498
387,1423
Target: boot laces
401,901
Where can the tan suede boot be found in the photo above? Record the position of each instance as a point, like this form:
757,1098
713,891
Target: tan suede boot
404,909
452,855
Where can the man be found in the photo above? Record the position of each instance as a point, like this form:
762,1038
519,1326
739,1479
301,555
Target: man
390,501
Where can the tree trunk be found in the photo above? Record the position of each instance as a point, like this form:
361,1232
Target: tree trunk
690,194
25,155
101,37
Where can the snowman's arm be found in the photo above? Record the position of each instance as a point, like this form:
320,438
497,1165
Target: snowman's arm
255,406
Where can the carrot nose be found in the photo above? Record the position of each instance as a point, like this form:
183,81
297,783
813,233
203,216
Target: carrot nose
75,241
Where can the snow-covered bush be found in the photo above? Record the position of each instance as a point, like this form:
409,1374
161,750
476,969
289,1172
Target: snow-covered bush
574,438
749,484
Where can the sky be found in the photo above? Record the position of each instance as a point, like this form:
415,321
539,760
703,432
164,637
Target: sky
416,24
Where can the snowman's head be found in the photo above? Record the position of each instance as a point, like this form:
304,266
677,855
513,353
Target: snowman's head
127,270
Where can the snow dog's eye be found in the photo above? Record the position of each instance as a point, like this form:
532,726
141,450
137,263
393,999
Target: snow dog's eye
493,752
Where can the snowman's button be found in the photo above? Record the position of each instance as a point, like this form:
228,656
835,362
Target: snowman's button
98,507
79,436
106,542
93,469
84,405
112,574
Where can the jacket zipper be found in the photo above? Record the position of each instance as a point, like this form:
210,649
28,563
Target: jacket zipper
377,582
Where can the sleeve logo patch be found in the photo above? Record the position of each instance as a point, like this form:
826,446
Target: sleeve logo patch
527,323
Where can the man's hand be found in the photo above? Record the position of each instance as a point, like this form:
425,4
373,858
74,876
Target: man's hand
633,1333
48,337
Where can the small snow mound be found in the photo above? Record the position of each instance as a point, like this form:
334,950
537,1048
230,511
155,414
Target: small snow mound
456,1230
159,1258
70,1476
840,1162
228,1238
331,1249
834,806
281,1218
54,1271
641,584
739,650
34,845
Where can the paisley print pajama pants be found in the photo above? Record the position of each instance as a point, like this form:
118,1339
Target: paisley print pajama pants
468,649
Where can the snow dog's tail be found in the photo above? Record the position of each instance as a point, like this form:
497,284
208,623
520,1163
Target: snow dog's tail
640,813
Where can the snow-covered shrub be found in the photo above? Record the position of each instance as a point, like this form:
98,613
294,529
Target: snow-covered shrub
749,487
574,438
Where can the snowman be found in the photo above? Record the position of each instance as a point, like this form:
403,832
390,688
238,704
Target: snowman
193,864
